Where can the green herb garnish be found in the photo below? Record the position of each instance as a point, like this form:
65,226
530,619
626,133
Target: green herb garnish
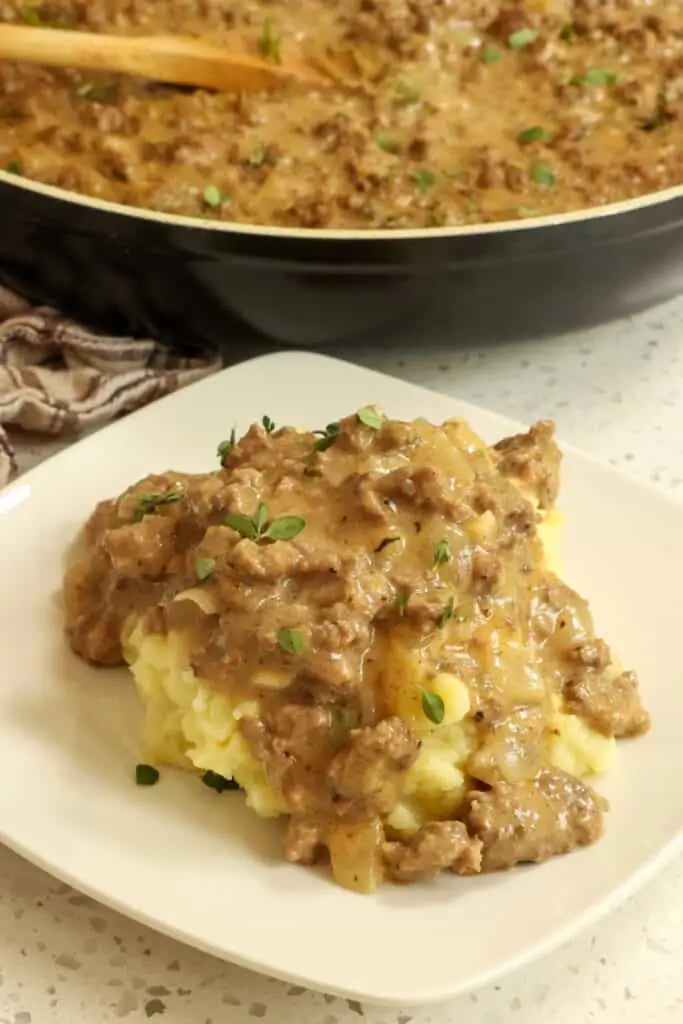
96,92
523,37
401,599
146,775
285,528
225,447
535,134
260,518
567,33
389,143
213,197
432,706
268,424
370,417
217,782
528,211
343,718
385,544
442,554
327,437
291,641
543,175
31,16
149,504
203,567
446,614
258,157
259,528
13,167
424,179
596,76
408,92
240,524
270,43
490,54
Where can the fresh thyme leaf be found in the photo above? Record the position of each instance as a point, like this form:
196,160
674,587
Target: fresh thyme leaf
268,424
523,37
285,528
31,16
13,167
408,92
446,614
490,54
270,42
543,175
291,641
595,76
402,598
146,775
213,197
442,553
260,518
203,568
389,143
535,134
432,706
96,92
327,437
240,524
218,782
149,504
370,417
344,718
258,156
258,527
385,544
225,447
424,179
567,33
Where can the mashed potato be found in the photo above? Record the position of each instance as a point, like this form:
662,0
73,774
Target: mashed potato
191,725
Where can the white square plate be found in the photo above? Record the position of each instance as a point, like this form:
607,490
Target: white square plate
203,869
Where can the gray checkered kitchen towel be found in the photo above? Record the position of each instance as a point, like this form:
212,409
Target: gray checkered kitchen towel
59,378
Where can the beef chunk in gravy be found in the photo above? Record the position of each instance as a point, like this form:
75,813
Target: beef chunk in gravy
374,599
609,701
438,846
370,766
533,820
532,460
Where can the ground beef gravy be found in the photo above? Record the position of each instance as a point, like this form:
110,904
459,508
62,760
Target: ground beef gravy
396,535
469,111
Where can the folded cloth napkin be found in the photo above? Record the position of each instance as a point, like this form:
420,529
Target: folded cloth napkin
57,377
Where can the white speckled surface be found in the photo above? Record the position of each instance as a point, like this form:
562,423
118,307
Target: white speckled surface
616,391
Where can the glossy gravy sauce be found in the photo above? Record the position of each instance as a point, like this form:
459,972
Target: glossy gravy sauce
469,111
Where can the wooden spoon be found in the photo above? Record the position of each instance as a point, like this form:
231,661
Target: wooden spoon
179,60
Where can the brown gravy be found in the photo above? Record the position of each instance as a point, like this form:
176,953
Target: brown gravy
473,111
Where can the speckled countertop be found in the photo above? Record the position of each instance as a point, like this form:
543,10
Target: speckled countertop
616,391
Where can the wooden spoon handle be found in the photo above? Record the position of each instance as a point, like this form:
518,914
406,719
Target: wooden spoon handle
174,59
